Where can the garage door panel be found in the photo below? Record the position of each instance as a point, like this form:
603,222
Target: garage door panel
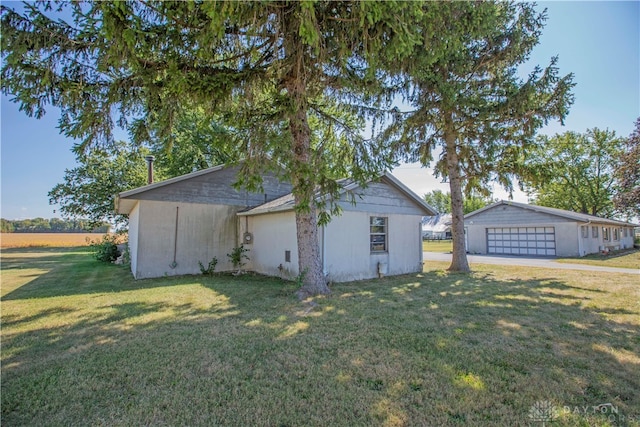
536,241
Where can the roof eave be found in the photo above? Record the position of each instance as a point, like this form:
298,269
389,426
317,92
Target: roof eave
169,181
413,196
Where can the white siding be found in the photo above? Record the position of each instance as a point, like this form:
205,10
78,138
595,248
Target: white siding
134,230
203,232
566,235
627,242
273,234
348,255
344,245
568,232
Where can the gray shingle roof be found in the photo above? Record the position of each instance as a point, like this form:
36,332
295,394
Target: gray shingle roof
576,216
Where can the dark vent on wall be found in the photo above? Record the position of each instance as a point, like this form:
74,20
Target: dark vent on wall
287,256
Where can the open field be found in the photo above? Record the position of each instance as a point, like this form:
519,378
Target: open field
629,258
55,240
84,344
437,245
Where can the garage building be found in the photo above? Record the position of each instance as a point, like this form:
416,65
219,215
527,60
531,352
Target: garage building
511,228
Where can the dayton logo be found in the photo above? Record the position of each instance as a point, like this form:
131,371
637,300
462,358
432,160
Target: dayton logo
543,411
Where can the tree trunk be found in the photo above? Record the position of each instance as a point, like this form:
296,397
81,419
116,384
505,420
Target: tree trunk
459,257
303,177
309,261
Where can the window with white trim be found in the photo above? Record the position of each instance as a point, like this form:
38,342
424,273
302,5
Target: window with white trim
594,231
585,231
605,234
378,234
616,234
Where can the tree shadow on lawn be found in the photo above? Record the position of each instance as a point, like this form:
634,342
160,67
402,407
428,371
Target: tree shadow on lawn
428,349
72,272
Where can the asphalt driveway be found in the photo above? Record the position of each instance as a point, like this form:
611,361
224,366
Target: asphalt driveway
528,262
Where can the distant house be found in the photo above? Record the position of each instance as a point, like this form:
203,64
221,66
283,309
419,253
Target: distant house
510,228
437,227
193,218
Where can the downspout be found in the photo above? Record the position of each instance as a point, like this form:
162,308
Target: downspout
323,250
174,264
581,241
420,253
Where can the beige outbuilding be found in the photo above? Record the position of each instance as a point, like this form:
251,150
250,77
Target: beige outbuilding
175,225
511,228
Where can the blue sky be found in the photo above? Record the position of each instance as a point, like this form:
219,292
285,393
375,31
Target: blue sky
598,41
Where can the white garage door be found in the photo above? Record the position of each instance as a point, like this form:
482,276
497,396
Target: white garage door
538,241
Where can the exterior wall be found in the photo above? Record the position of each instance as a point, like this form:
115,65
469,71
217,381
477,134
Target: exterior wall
273,234
569,239
134,230
592,244
216,187
344,246
344,242
203,232
628,240
382,198
566,231
347,247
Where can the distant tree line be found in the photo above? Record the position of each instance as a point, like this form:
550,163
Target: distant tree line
53,225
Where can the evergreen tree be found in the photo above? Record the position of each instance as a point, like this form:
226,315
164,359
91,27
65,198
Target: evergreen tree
276,66
470,102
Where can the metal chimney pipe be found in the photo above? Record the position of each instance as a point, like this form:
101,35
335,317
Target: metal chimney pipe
149,160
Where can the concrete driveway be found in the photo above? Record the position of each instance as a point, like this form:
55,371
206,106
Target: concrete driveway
528,262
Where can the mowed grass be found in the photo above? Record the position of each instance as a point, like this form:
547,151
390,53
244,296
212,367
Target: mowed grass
56,240
84,344
628,258
437,246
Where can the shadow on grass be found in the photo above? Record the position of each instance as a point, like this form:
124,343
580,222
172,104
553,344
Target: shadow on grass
427,349
70,271
74,271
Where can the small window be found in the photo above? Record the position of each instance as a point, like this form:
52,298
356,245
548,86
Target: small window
616,234
605,234
594,231
585,231
378,234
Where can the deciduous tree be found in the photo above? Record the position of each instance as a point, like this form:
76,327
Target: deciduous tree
574,171
88,190
441,201
627,173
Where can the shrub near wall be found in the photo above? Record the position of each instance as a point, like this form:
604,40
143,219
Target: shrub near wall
106,250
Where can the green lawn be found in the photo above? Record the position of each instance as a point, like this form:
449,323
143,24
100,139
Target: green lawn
629,258
437,245
84,344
